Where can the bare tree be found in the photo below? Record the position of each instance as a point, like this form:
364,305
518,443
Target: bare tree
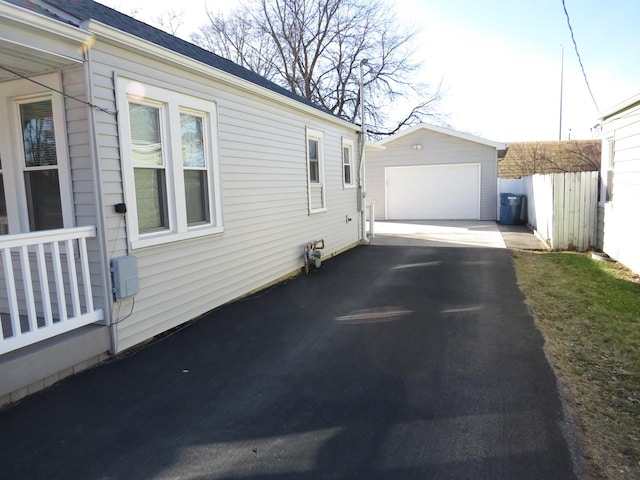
316,48
171,20
236,38
578,156
529,158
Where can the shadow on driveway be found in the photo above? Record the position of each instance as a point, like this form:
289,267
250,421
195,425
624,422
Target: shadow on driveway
389,362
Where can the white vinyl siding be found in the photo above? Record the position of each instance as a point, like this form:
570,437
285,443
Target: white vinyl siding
621,172
264,192
86,187
164,169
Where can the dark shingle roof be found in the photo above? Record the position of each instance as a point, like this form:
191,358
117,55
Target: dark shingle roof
529,158
82,10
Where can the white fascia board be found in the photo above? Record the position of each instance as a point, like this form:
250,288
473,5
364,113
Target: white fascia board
630,102
30,21
143,47
374,147
445,131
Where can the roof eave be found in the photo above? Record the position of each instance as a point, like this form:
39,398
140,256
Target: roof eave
32,44
44,25
445,131
621,107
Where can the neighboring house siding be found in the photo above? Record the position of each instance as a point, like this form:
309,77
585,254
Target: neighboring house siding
621,226
263,168
437,149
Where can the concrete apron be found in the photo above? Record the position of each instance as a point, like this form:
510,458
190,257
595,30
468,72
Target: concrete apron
443,233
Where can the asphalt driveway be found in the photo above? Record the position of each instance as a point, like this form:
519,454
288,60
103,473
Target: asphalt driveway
389,362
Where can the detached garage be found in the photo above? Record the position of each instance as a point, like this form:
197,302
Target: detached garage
432,173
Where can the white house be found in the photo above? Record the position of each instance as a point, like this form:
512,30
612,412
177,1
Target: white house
620,173
428,172
143,182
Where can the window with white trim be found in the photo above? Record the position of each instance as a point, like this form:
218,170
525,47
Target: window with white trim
611,143
170,164
347,162
35,186
315,171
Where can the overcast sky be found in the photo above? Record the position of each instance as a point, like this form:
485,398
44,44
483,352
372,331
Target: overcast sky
500,61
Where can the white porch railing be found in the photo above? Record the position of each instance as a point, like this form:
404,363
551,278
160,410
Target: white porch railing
47,286
371,232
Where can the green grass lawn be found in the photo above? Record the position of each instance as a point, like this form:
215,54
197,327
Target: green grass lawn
589,314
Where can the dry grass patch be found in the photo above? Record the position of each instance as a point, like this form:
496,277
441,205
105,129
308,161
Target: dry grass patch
589,314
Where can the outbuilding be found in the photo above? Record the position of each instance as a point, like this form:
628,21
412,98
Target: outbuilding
433,173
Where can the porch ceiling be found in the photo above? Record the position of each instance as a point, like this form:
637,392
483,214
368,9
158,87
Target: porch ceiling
29,61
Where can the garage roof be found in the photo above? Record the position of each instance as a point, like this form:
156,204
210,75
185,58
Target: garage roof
445,131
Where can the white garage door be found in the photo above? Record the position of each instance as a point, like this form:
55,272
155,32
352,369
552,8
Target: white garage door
434,192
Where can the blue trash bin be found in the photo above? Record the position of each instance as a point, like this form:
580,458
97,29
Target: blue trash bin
510,206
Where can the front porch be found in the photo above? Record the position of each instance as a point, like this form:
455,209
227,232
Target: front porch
49,320
47,286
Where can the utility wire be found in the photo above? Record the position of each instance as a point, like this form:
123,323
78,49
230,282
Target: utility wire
584,74
58,91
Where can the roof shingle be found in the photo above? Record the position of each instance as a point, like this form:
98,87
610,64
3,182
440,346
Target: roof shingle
529,158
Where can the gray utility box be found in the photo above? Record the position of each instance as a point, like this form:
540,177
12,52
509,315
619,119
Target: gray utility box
124,272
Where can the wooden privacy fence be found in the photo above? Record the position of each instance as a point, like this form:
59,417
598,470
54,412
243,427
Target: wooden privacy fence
563,208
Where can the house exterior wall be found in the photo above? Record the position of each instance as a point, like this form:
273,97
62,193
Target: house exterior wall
621,157
84,180
263,169
437,149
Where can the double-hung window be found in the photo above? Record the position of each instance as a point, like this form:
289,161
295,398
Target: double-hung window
315,171
170,164
347,162
35,189
40,167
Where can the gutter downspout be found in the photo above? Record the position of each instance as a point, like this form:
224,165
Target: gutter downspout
100,221
363,140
